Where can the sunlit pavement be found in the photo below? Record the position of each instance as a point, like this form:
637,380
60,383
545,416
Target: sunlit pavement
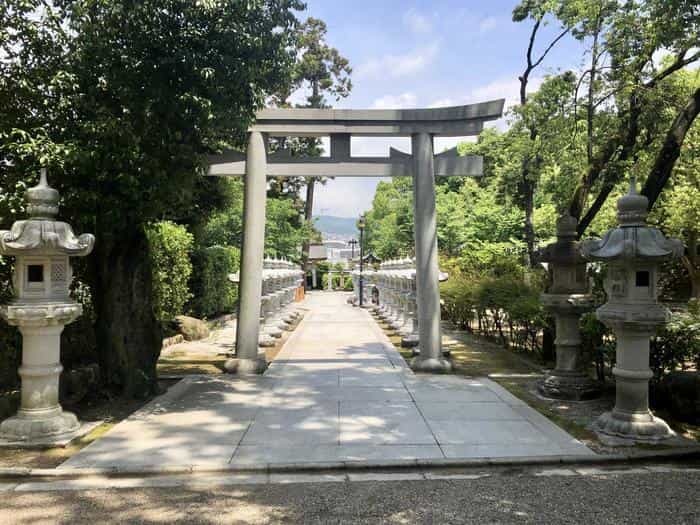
337,392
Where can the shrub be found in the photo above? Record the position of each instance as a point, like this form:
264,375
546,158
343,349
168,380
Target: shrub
676,346
171,245
10,340
212,292
504,306
458,300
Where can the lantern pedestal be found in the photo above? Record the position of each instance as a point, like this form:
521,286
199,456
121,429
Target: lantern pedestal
40,417
569,379
631,418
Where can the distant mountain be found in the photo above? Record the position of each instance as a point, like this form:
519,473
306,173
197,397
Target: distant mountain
336,226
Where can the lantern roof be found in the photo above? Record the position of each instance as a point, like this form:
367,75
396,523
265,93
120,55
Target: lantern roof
632,239
566,248
41,234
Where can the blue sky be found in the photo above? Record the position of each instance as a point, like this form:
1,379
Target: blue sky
424,53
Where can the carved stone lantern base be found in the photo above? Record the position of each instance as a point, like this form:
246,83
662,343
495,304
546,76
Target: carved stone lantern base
570,386
40,425
638,426
409,340
266,340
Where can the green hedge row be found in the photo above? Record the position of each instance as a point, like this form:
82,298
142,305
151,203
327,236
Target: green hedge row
188,279
504,307
212,292
171,248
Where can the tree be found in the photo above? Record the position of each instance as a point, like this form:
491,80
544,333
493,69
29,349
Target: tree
122,100
677,209
633,88
322,70
536,10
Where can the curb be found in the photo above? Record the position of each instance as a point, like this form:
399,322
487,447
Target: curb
71,473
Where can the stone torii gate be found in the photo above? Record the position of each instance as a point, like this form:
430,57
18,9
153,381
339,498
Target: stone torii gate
340,125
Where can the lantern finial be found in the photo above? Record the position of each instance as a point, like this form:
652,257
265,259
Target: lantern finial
42,199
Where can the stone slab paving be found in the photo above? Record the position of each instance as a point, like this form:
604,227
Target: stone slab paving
338,391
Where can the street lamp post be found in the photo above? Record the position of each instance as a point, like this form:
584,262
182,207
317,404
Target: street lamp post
352,243
361,226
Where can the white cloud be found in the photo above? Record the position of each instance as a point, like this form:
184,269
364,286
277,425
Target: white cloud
508,88
487,24
398,65
404,100
299,96
442,103
417,22
345,196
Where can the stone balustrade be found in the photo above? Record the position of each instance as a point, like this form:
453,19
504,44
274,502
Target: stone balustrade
391,292
280,281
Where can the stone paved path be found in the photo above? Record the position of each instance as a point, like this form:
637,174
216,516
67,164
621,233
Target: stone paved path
338,391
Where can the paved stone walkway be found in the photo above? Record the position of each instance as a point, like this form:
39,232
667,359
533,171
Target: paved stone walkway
337,391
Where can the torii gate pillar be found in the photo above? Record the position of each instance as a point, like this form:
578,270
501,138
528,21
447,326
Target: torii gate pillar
427,272
249,359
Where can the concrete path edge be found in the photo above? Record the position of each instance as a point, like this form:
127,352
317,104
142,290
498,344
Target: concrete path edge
27,472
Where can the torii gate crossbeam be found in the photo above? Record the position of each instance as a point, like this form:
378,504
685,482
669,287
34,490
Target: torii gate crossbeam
422,165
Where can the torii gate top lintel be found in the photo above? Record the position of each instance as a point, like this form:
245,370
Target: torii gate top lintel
341,124
444,122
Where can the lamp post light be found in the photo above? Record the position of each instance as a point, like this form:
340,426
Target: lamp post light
352,243
361,225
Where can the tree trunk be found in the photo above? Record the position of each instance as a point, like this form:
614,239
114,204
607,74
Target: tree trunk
129,337
691,261
308,216
529,197
671,149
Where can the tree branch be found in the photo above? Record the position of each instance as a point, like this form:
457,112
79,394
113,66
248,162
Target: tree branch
671,149
679,63
549,48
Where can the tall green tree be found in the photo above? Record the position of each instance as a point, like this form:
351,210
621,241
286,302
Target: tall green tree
632,88
123,100
324,73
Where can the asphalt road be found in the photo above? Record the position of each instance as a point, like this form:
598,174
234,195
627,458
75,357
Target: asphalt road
504,496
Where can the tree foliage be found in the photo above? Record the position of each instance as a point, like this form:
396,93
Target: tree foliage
122,101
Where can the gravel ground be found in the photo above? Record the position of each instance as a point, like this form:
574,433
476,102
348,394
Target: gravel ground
511,497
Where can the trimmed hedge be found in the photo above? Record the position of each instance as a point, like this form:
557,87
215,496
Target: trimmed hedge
171,246
212,292
506,308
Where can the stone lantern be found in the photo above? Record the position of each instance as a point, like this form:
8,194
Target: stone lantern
633,252
566,298
41,246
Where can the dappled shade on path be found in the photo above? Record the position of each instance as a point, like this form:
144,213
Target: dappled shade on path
337,391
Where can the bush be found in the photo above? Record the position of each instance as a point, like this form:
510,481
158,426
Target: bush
171,245
348,285
10,340
458,300
212,292
503,306
676,346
